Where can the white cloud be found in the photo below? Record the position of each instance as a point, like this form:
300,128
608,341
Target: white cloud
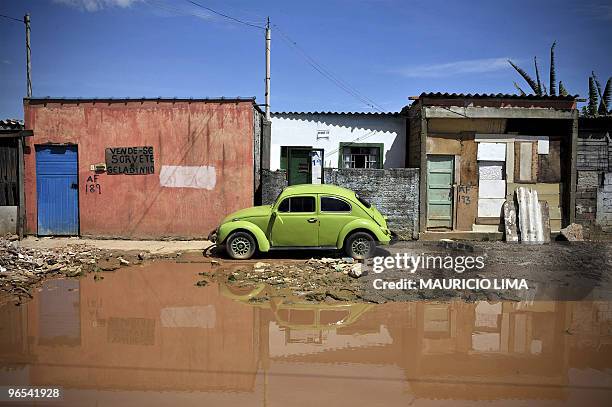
455,68
95,5
603,12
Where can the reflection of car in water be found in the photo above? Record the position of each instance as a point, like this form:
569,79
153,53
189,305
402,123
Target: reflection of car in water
305,216
299,316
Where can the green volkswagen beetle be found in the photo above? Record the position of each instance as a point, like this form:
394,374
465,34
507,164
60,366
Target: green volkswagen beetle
305,216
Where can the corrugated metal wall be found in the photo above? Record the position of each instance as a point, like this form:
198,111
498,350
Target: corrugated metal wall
9,191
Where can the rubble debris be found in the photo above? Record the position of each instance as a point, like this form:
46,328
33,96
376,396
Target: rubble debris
144,255
573,233
510,225
356,270
259,266
22,268
310,278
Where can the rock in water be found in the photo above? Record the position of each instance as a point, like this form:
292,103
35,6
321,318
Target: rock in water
573,233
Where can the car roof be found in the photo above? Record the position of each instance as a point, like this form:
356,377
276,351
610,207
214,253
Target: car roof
318,189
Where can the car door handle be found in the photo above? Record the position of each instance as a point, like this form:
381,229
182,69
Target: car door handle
312,220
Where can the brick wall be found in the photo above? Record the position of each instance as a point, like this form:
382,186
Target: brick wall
395,192
272,183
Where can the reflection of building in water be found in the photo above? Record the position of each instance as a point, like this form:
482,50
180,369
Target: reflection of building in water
138,334
488,351
151,329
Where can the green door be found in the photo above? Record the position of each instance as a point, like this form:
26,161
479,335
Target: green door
299,166
440,179
296,222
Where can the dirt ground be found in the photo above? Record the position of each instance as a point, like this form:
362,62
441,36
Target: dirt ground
557,271
151,246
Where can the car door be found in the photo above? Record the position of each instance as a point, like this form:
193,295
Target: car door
334,213
295,222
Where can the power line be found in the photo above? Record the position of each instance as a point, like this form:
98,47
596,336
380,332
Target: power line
176,11
330,75
325,72
12,18
226,16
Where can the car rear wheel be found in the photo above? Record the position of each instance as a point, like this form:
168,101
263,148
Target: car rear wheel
360,245
240,245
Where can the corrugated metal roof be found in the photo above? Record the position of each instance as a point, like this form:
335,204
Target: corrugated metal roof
338,113
11,124
440,95
140,99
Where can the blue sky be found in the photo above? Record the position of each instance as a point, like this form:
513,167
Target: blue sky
386,50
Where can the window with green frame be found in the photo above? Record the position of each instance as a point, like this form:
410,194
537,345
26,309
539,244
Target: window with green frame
360,155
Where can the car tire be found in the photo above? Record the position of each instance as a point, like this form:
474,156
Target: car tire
240,245
360,245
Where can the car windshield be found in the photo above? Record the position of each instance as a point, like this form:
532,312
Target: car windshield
363,201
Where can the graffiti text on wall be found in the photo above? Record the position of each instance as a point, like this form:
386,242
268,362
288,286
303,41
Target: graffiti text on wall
92,186
130,161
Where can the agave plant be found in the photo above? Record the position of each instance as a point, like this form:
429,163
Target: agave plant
536,85
599,101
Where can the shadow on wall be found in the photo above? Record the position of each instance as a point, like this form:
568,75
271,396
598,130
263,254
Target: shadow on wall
395,156
367,128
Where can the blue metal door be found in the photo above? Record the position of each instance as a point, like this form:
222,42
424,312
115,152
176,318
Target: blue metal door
57,190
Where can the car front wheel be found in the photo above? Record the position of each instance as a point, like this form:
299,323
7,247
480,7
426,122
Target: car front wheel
240,245
360,245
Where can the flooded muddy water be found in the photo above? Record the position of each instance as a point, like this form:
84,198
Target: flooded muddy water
148,336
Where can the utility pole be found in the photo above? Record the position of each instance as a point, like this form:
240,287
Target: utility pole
268,37
26,20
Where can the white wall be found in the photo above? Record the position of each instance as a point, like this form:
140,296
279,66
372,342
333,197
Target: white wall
300,129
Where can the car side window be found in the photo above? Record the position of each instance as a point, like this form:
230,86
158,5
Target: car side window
297,204
329,204
302,204
284,206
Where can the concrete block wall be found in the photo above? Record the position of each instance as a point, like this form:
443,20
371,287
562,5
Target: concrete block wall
604,203
395,192
272,184
586,197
